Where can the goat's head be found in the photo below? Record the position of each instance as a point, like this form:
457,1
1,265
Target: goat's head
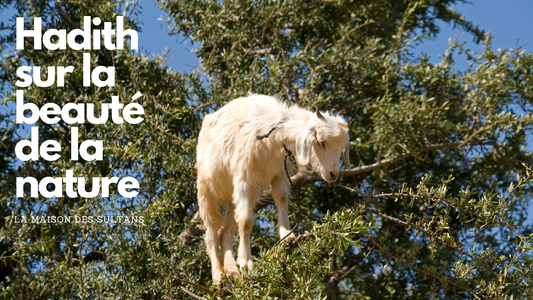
322,143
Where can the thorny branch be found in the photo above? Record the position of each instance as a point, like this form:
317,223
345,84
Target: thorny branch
442,279
188,282
432,235
303,178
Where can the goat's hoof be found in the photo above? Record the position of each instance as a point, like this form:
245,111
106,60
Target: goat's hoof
291,237
246,264
217,276
283,234
232,271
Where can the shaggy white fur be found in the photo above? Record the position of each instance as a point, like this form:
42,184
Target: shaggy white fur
234,167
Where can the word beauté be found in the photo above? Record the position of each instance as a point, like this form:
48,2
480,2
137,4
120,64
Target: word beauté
50,113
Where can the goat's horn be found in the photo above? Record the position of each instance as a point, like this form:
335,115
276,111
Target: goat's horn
319,115
340,112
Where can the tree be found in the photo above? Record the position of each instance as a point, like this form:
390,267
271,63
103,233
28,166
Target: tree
435,208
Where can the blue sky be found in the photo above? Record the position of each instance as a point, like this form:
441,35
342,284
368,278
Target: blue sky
510,22
154,39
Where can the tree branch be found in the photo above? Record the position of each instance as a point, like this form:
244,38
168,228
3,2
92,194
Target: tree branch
399,261
305,177
185,281
192,295
432,235
64,14
257,52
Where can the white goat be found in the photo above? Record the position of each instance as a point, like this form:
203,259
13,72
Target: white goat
234,166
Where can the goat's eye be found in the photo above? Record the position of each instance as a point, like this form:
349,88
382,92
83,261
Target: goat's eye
322,144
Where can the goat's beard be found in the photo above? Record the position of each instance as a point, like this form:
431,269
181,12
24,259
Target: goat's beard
318,166
320,170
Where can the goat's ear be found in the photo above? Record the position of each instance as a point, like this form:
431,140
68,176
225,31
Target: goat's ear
304,142
318,135
346,156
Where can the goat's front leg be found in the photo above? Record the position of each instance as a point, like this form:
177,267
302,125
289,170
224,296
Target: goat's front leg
244,199
280,193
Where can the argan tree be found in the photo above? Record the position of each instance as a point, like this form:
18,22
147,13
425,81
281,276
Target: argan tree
435,207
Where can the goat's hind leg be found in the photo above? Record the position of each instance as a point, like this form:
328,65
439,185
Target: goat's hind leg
244,199
227,234
213,220
211,243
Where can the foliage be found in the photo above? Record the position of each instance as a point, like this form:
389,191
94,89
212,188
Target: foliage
436,207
